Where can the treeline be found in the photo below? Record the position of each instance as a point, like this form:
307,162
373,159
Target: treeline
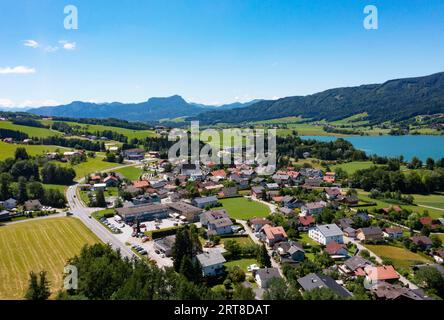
78,130
28,122
111,122
16,135
71,143
383,179
340,149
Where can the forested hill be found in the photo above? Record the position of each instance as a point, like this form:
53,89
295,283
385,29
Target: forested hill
393,100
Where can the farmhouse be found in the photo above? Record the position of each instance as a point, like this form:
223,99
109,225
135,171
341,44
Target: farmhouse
393,233
33,205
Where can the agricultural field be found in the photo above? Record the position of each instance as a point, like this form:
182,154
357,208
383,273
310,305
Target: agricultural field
30,131
435,213
243,208
352,167
8,149
44,244
131,173
432,200
92,165
401,257
130,134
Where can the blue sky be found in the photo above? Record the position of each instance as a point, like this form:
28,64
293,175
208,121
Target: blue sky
210,51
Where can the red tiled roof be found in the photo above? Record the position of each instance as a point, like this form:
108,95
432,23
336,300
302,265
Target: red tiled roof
333,247
219,173
306,220
273,232
381,273
141,184
426,221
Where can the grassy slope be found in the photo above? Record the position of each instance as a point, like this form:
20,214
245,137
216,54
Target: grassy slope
352,167
31,131
131,173
140,134
8,150
92,165
242,208
38,245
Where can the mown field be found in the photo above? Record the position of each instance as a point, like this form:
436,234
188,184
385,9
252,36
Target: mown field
130,134
92,165
352,167
38,245
7,150
31,131
401,257
131,173
433,200
244,209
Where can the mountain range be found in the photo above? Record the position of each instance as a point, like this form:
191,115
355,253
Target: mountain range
153,109
394,100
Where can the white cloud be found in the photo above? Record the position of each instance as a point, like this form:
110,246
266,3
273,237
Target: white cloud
31,43
68,45
8,103
17,70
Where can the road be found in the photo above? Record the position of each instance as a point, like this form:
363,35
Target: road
378,259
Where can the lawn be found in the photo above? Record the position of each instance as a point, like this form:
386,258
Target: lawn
92,128
242,263
92,165
8,149
38,245
244,209
131,173
401,257
59,187
363,195
352,167
243,241
304,239
30,131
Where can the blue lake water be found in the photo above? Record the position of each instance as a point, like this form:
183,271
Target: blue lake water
393,146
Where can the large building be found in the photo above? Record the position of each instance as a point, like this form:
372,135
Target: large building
191,213
145,212
324,234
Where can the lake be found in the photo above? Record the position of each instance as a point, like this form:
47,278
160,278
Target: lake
421,146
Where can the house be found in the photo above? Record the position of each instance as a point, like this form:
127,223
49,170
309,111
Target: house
438,255
219,174
190,169
388,291
33,205
217,222
332,193
287,211
392,233
145,212
329,177
354,266
305,222
257,192
203,202
289,252
350,232
228,192
389,209
313,208
165,245
191,213
427,222
313,182
344,223
318,280
256,224
336,250
281,179
99,186
211,262
324,234
5,215
423,242
375,275
373,234
111,181
264,275
273,234
72,154
351,199
10,204
134,154
272,186
96,178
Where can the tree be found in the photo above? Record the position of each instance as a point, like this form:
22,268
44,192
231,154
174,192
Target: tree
437,242
22,193
38,290
243,293
236,274
431,279
278,289
233,247
263,258
21,154
100,198
187,244
430,163
35,190
5,182
321,294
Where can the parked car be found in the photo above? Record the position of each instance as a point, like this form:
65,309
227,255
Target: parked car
157,251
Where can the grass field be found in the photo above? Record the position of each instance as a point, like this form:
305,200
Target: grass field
131,173
92,165
38,245
242,263
363,195
139,134
30,131
244,209
352,167
8,149
243,241
401,257
432,200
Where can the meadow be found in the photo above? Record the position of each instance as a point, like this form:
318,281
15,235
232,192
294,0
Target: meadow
131,173
243,208
352,167
7,150
30,131
400,257
38,245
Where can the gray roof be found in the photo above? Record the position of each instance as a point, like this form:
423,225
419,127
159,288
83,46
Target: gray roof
223,222
142,209
266,274
202,200
210,258
357,262
318,280
330,230
184,207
